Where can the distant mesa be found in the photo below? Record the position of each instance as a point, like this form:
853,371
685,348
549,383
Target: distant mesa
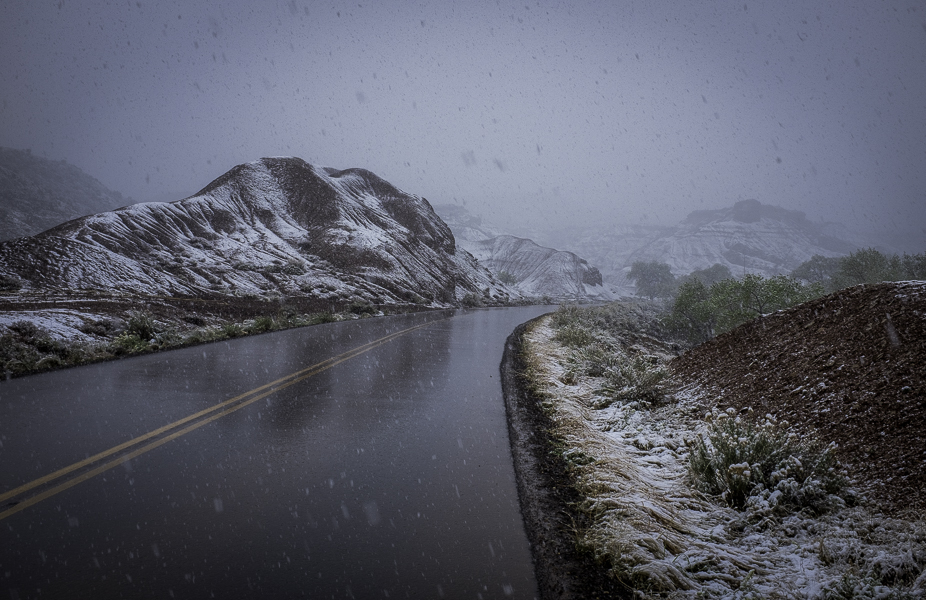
270,228
747,237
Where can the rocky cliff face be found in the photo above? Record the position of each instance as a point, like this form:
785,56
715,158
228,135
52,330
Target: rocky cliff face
37,193
277,226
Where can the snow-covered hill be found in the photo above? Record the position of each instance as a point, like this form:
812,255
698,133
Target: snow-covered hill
276,226
608,247
37,193
537,271
541,271
748,237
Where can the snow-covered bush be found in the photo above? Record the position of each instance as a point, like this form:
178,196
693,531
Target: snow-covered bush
141,325
128,343
763,467
470,300
638,377
9,283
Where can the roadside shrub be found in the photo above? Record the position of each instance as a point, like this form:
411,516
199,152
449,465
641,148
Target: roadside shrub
594,360
471,301
128,343
47,345
361,307
322,317
102,327
9,284
567,314
574,335
763,467
232,330
639,378
16,357
25,330
262,324
141,325
48,362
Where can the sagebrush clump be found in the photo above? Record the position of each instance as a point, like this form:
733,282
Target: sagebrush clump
763,467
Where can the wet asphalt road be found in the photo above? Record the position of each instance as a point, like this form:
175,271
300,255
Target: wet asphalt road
367,469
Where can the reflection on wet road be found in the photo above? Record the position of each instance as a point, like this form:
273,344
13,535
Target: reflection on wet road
359,459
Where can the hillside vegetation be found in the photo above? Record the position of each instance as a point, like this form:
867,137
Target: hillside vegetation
710,301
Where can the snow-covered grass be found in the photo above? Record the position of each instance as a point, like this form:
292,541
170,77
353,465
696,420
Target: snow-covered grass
654,530
35,341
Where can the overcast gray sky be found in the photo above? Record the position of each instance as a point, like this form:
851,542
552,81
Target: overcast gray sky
572,112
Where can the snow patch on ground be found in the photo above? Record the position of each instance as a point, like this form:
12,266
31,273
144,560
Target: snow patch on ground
61,324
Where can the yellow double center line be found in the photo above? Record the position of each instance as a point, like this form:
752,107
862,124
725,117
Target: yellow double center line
157,437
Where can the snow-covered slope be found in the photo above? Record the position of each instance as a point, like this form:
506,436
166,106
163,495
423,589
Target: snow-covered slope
276,226
467,228
37,193
541,271
538,271
608,247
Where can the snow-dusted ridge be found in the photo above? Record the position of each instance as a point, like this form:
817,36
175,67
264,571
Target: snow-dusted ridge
749,236
541,271
276,226
537,271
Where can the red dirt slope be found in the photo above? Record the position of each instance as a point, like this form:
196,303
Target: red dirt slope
851,367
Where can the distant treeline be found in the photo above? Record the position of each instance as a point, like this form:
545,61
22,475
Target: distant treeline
710,301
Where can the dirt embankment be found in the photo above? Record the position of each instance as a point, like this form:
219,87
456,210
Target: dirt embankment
849,367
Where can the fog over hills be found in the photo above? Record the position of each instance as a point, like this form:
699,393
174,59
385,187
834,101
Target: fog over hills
748,237
37,193
272,227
